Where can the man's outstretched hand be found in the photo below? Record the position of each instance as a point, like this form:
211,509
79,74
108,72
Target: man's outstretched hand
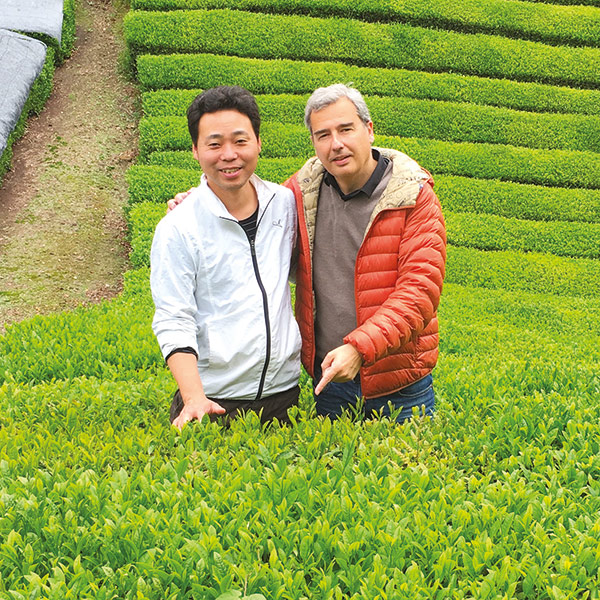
341,364
196,410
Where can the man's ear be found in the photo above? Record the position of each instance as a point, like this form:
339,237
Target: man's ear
195,151
259,144
369,127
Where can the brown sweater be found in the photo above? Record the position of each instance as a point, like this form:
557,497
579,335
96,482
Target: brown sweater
340,229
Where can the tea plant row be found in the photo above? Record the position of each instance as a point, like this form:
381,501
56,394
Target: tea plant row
167,173
188,71
560,168
450,121
576,25
366,44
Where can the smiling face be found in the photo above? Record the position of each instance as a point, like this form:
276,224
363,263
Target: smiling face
227,151
342,142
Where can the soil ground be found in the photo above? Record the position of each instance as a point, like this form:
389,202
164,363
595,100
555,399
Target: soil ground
62,229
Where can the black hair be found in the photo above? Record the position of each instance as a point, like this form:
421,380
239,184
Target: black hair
223,97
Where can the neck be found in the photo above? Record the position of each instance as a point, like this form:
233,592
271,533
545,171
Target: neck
241,203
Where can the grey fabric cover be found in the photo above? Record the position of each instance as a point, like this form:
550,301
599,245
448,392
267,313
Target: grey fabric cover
21,61
33,16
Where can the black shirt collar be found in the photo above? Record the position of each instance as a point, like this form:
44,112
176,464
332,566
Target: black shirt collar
371,184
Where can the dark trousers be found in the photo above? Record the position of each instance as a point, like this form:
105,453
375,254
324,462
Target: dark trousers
269,407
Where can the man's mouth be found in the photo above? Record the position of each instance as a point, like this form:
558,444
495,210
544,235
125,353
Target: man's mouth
231,170
340,159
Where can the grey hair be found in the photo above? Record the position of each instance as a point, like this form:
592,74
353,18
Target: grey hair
324,96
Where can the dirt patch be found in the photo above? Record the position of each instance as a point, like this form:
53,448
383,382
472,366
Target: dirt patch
62,230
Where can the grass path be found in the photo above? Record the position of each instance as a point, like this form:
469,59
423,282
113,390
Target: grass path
62,231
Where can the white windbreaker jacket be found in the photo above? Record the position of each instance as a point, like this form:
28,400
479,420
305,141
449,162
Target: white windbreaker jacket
225,298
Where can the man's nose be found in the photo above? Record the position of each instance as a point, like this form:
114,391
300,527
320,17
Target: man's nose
336,142
228,152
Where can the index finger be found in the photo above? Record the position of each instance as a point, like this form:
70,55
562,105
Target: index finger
180,421
326,378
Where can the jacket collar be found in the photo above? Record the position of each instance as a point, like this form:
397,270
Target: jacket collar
212,202
369,187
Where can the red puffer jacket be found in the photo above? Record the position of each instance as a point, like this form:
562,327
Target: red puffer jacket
399,273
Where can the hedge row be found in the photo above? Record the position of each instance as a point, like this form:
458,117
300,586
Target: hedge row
509,270
367,44
67,41
143,219
469,231
113,341
517,200
491,232
503,270
558,168
449,121
564,25
171,133
301,77
458,194
520,334
478,323
39,93
90,343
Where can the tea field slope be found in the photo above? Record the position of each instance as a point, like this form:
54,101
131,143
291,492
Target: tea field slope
498,495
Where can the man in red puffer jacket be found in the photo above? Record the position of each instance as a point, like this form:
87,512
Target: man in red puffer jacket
371,264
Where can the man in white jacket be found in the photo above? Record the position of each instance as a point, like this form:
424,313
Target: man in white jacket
219,273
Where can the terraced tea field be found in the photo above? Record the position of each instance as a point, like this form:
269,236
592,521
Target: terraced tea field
499,496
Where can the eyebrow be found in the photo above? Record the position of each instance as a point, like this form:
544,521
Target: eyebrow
219,136
319,131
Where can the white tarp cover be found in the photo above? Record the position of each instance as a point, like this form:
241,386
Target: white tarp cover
32,16
21,61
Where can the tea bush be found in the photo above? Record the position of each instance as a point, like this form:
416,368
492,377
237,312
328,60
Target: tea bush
138,511
569,25
507,199
109,341
188,71
366,44
531,272
491,232
450,121
457,194
468,265
159,184
560,168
